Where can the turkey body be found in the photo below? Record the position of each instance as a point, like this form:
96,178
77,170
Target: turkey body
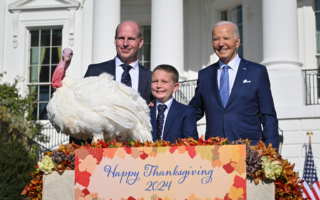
99,108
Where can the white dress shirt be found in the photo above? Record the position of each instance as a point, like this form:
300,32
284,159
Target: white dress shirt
168,104
234,66
134,72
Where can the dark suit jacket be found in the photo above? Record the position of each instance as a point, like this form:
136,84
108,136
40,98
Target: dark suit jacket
250,105
144,85
181,122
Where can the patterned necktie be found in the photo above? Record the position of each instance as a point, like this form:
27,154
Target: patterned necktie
126,78
224,85
160,120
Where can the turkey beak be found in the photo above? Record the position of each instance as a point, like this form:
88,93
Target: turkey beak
68,58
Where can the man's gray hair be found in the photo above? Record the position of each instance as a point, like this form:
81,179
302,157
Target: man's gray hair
221,23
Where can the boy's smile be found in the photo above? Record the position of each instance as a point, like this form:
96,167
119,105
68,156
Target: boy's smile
163,86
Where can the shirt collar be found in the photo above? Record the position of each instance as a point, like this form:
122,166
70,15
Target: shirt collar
233,64
134,65
168,103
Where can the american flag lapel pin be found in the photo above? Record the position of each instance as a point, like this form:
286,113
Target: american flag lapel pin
244,68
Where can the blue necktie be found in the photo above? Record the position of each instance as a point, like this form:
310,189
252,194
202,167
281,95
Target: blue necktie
160,120
224,85
126,78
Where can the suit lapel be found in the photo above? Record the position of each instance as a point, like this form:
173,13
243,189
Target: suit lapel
143,76
214,82
154,122
172,114
241,74
110,68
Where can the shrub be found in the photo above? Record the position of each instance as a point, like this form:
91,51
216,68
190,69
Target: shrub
16,166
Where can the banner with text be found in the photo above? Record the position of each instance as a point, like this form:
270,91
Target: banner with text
167,173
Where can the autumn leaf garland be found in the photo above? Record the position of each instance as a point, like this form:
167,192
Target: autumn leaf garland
261,161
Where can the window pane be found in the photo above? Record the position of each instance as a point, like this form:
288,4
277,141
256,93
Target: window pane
34,38
51,91
45,55
33,90
316,5
240,50
140,53
147,65
56,55
318,21
318,42
241,33
239,14
224,16
147,52
44,74
33,78
52,70
147,34
34,56
56,37
43,111
44,93
45,37
35,110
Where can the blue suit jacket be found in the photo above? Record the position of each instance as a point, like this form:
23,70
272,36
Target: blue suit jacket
144,85
250,105
181,122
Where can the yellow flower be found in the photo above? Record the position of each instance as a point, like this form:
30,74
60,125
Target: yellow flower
46,165
271,169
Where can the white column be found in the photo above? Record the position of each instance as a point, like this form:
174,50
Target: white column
106,17
167,34
2,29
281,51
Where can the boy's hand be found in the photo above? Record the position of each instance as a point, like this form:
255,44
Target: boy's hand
152,103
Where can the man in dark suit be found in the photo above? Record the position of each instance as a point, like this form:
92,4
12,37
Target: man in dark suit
125,66
170,119
235,94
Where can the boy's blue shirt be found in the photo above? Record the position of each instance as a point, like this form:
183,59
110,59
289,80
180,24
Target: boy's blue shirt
181,122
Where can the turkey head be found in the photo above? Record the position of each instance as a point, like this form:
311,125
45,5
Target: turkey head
60,72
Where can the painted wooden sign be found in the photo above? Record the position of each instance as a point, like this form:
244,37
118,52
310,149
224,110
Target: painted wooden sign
184,172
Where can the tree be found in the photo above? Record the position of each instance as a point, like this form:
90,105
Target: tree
16,110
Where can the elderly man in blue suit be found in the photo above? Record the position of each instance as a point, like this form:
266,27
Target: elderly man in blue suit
234,94
125,66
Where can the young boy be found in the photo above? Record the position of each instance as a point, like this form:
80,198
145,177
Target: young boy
170,119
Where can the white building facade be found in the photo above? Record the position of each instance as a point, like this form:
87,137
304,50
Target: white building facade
283,35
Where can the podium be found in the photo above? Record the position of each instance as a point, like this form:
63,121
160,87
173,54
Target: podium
61,186
173,172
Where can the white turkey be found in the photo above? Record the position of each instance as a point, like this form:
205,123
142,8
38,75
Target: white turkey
96,107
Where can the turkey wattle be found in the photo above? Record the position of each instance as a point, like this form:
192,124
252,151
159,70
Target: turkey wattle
96,107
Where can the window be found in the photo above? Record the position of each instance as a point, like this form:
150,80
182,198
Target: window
144,53
45,54
234,15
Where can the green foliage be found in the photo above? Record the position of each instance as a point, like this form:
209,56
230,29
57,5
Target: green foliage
16,166
16,110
